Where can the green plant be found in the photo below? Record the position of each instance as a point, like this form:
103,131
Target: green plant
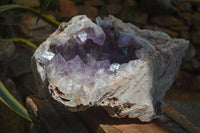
27,42
12,103
5,96
44,5
5,8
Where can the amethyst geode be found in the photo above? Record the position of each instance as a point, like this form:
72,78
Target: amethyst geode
110,64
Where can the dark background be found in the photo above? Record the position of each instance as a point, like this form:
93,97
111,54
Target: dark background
178,18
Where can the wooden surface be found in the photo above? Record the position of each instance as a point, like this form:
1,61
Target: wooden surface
97,120
50,121
180,119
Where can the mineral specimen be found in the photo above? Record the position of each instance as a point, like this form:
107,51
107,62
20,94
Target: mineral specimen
110,64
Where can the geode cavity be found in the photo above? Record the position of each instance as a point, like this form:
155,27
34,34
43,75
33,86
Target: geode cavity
110,64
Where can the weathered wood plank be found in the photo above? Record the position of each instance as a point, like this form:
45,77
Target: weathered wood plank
98,121
107,129
43,113
128,128
180,119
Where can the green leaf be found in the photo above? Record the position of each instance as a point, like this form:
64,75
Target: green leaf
44,6
27,42
12,103
5,8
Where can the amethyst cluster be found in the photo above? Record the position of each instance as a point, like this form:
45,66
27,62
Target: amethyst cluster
110,64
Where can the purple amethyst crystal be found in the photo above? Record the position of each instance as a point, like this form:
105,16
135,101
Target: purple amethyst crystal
110,64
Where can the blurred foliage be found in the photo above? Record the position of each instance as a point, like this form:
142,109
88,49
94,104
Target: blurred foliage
6,8
27,42
12,103
3,2
5,96
46,4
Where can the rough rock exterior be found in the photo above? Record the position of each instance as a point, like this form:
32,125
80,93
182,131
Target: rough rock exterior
110,64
